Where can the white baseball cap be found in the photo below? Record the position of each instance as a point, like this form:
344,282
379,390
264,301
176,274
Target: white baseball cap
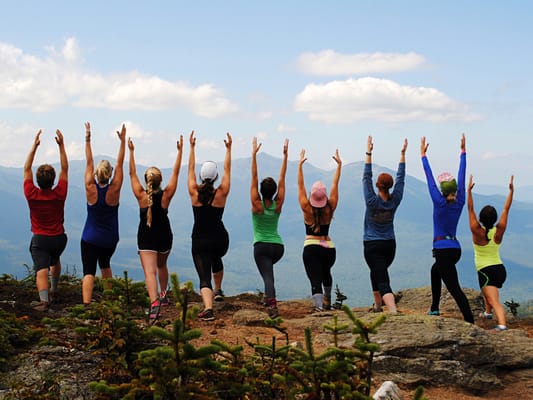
209,171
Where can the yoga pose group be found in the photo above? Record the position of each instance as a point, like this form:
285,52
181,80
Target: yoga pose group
210,239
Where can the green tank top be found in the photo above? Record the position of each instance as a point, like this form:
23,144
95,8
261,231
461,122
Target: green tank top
489,254
266,225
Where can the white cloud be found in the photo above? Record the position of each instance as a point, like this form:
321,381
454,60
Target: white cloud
263,115
330,63
134,131
378,99
285,128
43,84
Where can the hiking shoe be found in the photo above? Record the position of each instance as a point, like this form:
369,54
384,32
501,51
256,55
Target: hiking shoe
154,309
499,328
53,297
218,295
376,309
163,299
40,305
273,312
434,313
207,315
485,315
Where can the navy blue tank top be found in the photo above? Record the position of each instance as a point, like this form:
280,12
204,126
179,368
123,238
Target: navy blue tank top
101,225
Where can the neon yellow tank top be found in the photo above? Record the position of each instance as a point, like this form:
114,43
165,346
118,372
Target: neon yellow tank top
488,254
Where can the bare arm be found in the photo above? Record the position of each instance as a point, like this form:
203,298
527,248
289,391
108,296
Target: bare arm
90,189
302,193
136,186
113,194
478,233
334,193
191,177
28,174
63,174
502,223
257,207
170,189
223,190
280,197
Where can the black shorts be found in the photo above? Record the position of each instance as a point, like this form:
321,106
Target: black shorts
46,250
493,275
91,255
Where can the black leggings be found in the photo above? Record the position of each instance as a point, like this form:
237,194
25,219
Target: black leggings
444,269
266,255
379,255
91,255
318,262
207,256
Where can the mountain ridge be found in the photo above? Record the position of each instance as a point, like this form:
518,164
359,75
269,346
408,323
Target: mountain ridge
413,227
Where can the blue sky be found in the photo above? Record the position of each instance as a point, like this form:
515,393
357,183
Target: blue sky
323,74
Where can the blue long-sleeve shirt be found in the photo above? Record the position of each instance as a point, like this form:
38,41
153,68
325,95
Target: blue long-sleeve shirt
446,215
379,214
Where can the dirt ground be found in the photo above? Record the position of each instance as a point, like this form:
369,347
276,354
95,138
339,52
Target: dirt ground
516,386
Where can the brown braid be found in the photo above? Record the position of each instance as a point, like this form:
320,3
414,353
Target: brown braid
318,213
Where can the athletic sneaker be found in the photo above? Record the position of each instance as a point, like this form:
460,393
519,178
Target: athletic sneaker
154,309
207,315
499,328
272,308
163,299
434,313
40,305
219,295
485,315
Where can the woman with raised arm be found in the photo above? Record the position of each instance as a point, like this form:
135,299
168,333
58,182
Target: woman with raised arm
379,241
154,235
100,234
210,239
47,206
448,201
267,200
487,236
319,252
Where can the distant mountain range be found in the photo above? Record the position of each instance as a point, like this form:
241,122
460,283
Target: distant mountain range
413,230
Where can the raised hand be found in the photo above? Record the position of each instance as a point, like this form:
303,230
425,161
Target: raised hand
122,134
463,142
369,145
423,146
471,183
179,143
59,137
192,139
131,147
228,141
404,147
286,147
87,131
337,157
302,157
255,146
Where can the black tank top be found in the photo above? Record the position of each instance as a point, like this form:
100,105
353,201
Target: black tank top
323,231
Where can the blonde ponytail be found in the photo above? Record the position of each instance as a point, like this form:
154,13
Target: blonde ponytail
153,179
